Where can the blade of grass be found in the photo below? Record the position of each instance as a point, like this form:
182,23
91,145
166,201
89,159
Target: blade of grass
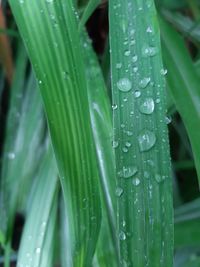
145,213
183,84
53,44
37,238
89,9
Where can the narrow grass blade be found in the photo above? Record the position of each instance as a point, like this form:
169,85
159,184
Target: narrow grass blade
37,239
183,84
185,25
50,31
101,119
89,9
145,212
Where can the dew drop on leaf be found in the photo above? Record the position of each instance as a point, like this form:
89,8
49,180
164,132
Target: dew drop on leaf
128,172
144,82
136,181
122,235
147,106
124,85
119,191
146,140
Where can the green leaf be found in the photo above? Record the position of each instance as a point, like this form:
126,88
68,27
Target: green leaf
145,212
50,31
183,84
89,9
24,133
36,247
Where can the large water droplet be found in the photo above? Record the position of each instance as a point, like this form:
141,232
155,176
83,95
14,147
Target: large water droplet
144,82
146,140
124,85
128,172
147,106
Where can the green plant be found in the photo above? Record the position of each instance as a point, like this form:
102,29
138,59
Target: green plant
93,176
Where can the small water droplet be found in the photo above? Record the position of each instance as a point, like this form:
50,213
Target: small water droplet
134,59
149,29
149,51
159,178
136,181
128,144
115,144
127,53
11,155
125,149
122,236
147,106
168,120
38,250
146,140
119,191
114,106
137,94
144,82
118,65
163,72
124,85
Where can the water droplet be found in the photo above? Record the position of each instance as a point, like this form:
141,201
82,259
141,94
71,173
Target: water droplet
118,65
128,172
125,149
134,58
136,181
65,75
149,29
149,51
119,191
159,178
157,100
146,140
49,1
114,106
147,106
124,85
144,82
163,72
137,93
11,155
168,120
128,144
122,236
129,133
40,82
115,144
127,53
38,250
